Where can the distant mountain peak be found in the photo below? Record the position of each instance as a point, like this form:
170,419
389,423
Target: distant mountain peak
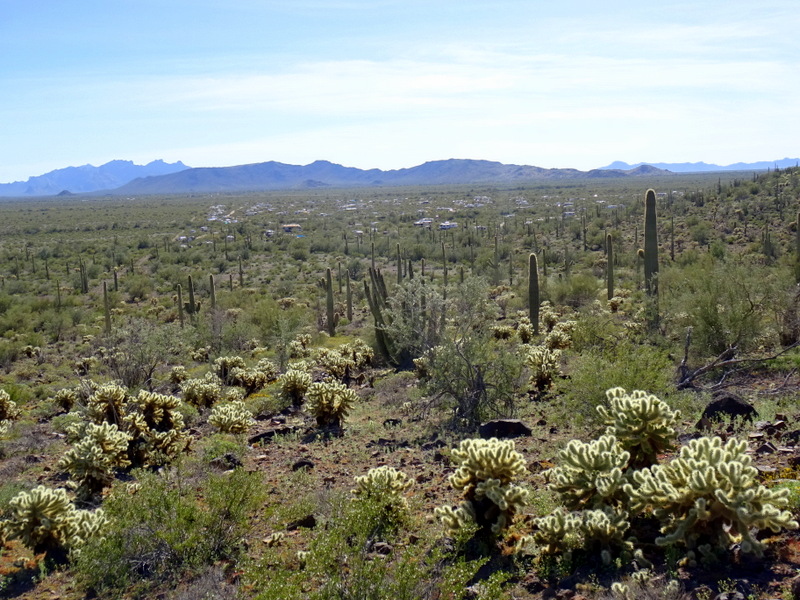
88,178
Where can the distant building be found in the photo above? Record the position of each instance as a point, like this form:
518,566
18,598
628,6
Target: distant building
292,227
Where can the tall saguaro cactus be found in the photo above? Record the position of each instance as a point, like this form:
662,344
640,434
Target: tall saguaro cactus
650,244
533,292
106,308
329,302
609,266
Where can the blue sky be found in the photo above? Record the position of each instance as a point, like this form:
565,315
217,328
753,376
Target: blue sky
392,84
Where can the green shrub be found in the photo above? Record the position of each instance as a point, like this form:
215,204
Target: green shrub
590,374
162,531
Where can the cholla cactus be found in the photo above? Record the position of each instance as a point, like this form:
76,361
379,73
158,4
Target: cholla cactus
252,380
224,366
200,354
709,494
202,392
560,336
604,530
8,408
107,404
383,483
98,451
358,352
525,330
66,398
384,486
232,417
298,347
487,471
332,362
45,520
178,375
268,368
558,532
294,385
157,428
591,475
330,402
545,366
643,424
422,367
503,332
548,315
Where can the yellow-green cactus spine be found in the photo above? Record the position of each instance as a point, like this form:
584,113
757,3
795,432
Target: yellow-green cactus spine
232,417
487,473
590,475
709,497
330,402
643,424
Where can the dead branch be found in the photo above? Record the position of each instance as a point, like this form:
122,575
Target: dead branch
723,361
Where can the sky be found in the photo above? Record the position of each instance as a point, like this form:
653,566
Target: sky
394,83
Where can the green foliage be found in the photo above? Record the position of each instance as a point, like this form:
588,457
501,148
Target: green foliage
161,532
138,347
626,365
727,303
385,487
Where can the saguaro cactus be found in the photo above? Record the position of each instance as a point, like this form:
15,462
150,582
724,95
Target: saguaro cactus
650,244
329,303
106,308
180,304
609,266
533,292
213,291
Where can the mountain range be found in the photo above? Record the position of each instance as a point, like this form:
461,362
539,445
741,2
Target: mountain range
120,177
88,178
277,176
701,167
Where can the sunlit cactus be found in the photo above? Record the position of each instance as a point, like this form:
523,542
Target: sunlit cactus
231,417
709,496
294,385
330,402
488,472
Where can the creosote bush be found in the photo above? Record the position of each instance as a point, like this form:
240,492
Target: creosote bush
160,531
